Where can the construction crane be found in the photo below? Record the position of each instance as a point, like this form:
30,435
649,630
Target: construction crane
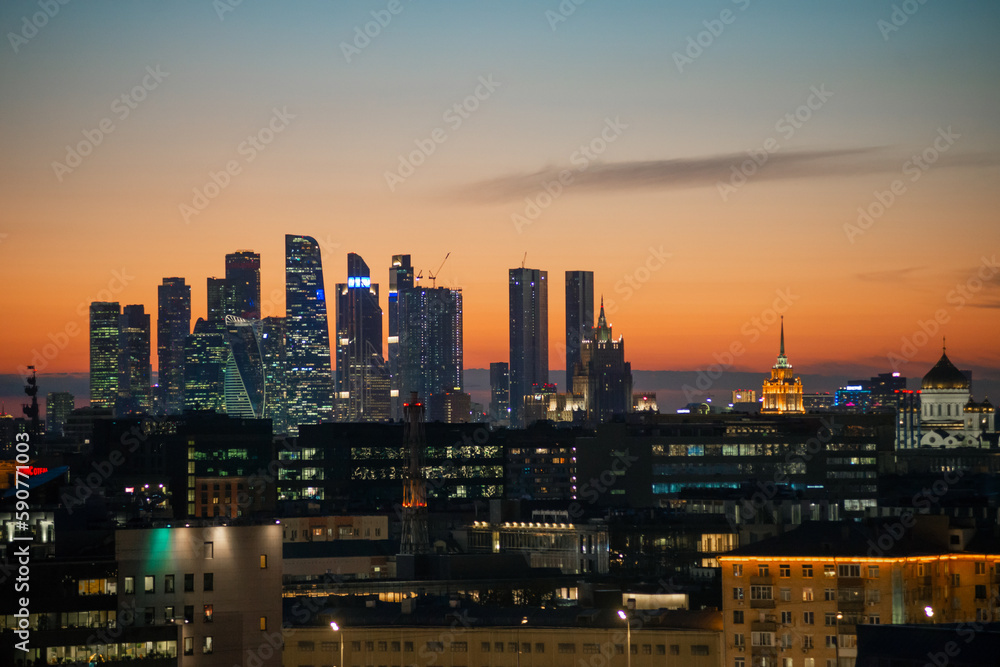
433,276
524,259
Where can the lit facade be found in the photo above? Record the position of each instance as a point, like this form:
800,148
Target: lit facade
243,278
173,324
134,370
206,351
602,376
245,386
782,393
273,348
58,405
104,333
309,376
529,336
400,278
430,357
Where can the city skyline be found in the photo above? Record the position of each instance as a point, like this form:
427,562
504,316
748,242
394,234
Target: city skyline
711,182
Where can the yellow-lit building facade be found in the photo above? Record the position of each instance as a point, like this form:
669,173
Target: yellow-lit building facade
804,611
782,393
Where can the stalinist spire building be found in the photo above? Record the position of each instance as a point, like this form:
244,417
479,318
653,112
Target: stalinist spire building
783,391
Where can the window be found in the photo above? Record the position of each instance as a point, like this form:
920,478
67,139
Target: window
761,593
498,647
189,613
189,583
149,584
831,641
808,617
809,662
807,570
208,613
539,647
129,585
591,648
739,639
329,646
807,641
873,596
786,594
738,593
829,571
647,649
150,615
209,549
786,640
699,649
786,618
807,595
619,649
762,570
830,594
525,647
168,583
980,592
263,623
484,647
849,570
762,638
395,647
263,561
737,569
512,647
565,647
168,614
661,649
956,579
873,571
784,571
740,662
980,568
738,617
830,618
873,619
209,581
456,647
408,647
208,646
675,649
189,646
435,647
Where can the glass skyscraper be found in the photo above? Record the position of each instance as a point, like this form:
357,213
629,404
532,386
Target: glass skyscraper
430,341
273,346
134,369
245,387
206,351
308,375
529,336
243,277
579,317
362,375
400,278
105,323
173,324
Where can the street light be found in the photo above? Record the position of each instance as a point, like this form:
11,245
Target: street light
628,637
336,628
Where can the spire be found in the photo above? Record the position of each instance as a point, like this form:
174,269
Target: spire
602,332
602,321
782,352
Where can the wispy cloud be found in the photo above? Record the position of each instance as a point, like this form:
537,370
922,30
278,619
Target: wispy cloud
890,275
705,171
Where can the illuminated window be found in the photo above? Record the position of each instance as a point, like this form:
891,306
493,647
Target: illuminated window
208,613
129,585
208,646
149,583
263,561
189,646
263,622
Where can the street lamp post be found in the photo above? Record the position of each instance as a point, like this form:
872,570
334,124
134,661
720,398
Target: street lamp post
336,628
622,614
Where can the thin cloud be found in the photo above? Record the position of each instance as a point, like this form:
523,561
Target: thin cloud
705,172
888,276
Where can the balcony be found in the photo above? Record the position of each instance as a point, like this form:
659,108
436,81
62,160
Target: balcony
762,604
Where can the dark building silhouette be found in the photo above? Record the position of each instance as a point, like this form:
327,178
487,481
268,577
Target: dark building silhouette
529,336
602,375
579,317
500,392
362,374
243,277
400,278
430,341
134,368
173,324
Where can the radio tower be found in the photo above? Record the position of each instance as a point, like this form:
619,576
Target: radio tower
31,409
414,540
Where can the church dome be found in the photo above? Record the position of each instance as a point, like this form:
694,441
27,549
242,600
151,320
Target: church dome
944,375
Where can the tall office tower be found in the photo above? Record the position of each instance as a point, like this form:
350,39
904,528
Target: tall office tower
430,341
309,377
206,352
243,276
400,278
134,370
579,317
173,324
221,300
529,336
500,392
603,376
245,388
105,323
58,405
273,348
362,374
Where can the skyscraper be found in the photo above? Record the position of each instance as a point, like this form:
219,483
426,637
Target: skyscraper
173,324
58,405
105,323
603,377
309,377
400,278
221,300
243,277
206,351
430,341
500,392
245,387
362,374
273,347
782,392
529,336
579,317
134,369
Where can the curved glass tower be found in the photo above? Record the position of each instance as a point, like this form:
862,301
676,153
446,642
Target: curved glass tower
245,393
309,377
